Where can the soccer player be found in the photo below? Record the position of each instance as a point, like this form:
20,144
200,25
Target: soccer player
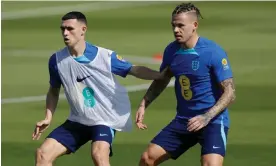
204,89
99,104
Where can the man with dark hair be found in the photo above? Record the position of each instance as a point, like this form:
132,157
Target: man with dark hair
204,89
99,105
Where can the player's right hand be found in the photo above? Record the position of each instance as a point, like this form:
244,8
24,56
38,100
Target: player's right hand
40,127
140,117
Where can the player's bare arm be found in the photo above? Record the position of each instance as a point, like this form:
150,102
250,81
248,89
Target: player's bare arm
145,73
224,101
155,89
51,104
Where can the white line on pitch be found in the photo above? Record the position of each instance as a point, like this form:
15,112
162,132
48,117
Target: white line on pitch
27,99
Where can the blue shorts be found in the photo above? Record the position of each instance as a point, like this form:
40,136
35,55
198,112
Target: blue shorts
175,138
73,135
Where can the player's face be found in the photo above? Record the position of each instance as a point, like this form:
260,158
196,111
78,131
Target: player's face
72,31
184,26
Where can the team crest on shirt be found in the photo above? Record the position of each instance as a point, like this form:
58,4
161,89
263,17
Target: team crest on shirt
224,64
195,65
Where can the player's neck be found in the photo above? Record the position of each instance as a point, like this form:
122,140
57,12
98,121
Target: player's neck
78,49
191,43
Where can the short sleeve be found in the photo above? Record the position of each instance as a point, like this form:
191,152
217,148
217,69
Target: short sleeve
55,80
119,66
221,65
168,55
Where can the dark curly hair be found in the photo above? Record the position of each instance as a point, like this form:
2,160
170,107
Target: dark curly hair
187,7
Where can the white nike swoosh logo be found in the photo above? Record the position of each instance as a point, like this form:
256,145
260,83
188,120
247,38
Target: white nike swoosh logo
215,147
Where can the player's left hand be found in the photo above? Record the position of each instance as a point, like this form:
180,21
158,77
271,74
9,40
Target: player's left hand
140,117
40,127
198,122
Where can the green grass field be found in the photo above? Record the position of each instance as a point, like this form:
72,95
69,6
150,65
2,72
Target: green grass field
245,29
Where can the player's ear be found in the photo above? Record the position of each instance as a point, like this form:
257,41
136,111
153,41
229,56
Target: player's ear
84,29
195,24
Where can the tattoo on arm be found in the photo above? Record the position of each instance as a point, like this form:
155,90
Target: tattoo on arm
225,100
156,88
